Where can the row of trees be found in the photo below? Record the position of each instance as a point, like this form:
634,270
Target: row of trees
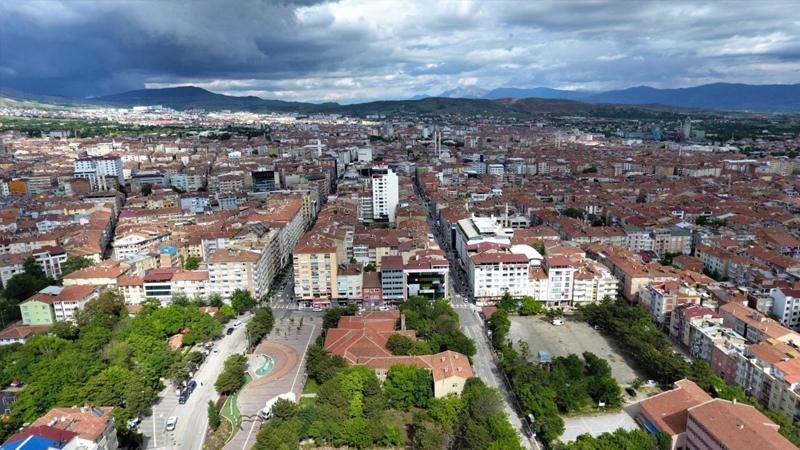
524,306
621,438
260,325
639,337
108,359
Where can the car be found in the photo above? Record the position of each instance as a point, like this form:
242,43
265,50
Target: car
190,387
171,422
631,391
229,331
237,324
215,351
558,322
183,397
316,309
133,423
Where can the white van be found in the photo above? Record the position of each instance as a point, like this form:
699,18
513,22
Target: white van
266,411
558,322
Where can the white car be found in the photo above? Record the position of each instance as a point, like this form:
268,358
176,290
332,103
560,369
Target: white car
237,324
171,422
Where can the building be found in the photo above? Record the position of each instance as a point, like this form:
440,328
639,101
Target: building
393,279
362,340
667,411
315,269
385,194
659,300
56,304
724,425
98,170
94,426
786,306
233,268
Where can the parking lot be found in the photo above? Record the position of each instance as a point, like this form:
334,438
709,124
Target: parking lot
596,425
572,337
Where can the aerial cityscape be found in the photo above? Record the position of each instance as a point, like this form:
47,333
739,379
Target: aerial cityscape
399,225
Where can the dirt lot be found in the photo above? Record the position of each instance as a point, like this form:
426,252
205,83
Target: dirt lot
573,337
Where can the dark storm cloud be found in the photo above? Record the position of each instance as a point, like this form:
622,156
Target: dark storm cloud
361,49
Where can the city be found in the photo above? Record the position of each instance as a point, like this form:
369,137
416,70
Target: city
203,268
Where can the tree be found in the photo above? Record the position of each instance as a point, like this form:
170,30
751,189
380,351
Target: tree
284,410
75,263
215,300
508,303
539,247
321,366
371,267
260,325
499,326
574,213
407,386
401,345
242,301
191,263
530,306
213,416
147,189
23,285
233,375
65,330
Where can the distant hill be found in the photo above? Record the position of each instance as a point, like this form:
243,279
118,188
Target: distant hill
719,96
539,92
724,96
465,92
190,97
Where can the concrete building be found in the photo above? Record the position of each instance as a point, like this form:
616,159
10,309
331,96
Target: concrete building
234,268
385,194
786,306
98,169
315,269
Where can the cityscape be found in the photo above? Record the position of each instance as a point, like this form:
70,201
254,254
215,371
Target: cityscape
296,255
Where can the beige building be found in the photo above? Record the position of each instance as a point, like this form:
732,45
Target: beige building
315,269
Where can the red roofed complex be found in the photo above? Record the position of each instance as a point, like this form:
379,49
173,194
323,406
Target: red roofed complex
362,340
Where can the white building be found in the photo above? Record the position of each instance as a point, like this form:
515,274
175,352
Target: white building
231,268
385,193
786,305
96,169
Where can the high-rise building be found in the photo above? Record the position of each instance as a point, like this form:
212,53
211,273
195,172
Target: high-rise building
385,193
96,169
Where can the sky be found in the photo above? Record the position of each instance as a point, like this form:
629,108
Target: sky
357,50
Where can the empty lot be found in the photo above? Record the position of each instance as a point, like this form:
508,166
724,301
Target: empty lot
572,337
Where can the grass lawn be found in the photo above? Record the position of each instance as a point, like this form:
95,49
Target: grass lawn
230,410
311,387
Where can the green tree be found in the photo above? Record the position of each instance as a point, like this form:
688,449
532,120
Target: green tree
215,300
232,376
321,366
407,386
213,416
242,301
499,325
284,410
191,263
260,325
574,213
75,263
530,306
508,303
147,189
402,345
65,330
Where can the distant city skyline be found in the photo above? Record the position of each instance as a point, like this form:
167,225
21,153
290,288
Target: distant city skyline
351,51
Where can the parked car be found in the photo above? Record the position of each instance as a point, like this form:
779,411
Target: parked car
631,391
171,422
190,387
133,423
558,322
237,324
183,397
229,331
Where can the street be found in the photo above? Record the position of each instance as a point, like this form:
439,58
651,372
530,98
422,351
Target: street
483,364
190,430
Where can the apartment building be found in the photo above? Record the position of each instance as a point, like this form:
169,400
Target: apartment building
385,194
786,306
98,170
659,300
56,304
770,372
315,269
234,268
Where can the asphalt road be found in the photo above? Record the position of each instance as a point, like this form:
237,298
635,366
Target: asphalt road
192,417
484,365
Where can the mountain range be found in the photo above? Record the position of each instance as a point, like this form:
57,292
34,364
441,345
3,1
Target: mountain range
719,96
470,99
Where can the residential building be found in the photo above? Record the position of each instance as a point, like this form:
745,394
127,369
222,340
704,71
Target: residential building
233,268
98,170
786,306
385,194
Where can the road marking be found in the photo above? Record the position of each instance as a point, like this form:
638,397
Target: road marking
155,438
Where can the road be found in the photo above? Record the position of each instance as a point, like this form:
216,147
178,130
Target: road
484,362
190,430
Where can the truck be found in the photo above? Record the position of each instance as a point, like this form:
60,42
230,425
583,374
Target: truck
266,411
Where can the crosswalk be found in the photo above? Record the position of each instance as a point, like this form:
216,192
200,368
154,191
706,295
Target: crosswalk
461,305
